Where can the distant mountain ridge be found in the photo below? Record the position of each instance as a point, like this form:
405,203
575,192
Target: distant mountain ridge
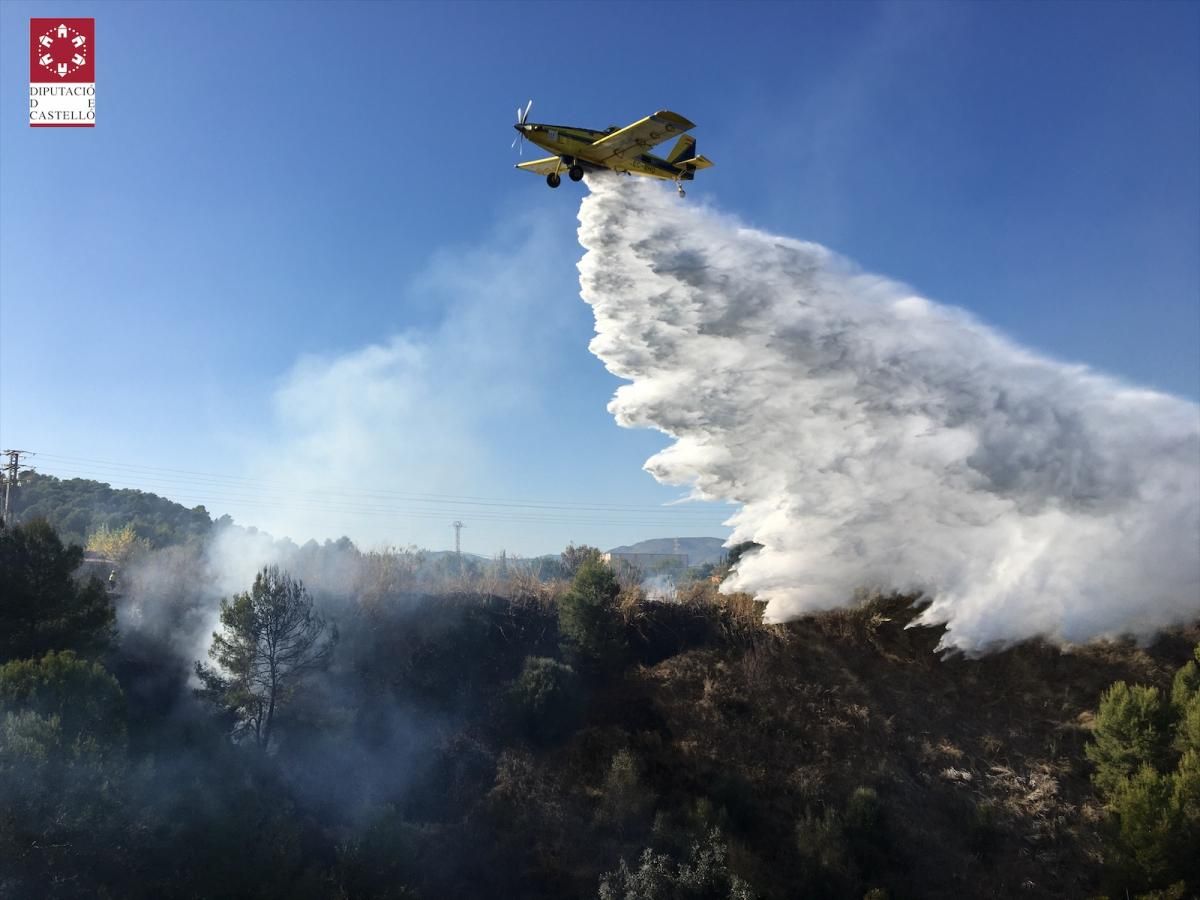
700,550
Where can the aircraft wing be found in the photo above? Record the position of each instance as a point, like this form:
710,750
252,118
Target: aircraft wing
543,166
639,137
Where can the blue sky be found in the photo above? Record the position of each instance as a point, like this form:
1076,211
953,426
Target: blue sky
293,276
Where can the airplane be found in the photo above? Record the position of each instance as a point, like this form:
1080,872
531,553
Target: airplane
623,150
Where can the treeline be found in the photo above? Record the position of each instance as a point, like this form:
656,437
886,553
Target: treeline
78,507
337,725
115,523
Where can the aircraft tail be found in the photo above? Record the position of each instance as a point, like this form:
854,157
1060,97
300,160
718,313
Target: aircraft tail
684,156
684,148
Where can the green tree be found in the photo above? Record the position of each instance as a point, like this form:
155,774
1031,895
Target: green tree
42,606
1148,820
589,620
1132,730
1151,784
1187,730
82,696
1186,685
270,639
573,558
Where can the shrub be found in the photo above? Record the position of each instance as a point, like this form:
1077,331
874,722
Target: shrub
820,843
865,828
625,801
982,828
546,698
704,875
864,812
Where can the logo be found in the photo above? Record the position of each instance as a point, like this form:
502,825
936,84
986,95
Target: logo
62,73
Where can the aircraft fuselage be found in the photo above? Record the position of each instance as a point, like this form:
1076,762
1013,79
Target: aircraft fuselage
577,145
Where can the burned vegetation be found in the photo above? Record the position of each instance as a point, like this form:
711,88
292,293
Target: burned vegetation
448,733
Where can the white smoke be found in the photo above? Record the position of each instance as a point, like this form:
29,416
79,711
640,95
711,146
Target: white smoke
418,411
874,438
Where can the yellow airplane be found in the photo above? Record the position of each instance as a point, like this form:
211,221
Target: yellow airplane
624,150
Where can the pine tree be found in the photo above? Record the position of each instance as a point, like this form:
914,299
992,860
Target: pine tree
270,639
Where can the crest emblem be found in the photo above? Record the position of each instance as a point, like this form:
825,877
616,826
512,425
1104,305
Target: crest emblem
62,50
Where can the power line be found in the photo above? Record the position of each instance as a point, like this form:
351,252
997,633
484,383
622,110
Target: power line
327,502
233,481
350,503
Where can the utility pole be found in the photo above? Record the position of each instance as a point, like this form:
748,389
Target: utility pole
10,476
458,527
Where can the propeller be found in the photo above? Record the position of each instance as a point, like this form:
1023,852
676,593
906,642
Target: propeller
520,138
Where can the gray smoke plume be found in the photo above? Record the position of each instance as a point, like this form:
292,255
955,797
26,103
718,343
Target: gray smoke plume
876,439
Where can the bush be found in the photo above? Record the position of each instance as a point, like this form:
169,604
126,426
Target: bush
982,828
821,847
546,698
704,875
865,827
864,812
625,801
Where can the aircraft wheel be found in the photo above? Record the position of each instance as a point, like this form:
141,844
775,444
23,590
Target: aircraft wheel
553,180
576,173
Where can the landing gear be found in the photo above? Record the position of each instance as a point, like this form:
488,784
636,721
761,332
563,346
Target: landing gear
553,180
679,187
575,172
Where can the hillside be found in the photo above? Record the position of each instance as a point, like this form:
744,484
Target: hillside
977,764
464,716
471,738
973,769
78,507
